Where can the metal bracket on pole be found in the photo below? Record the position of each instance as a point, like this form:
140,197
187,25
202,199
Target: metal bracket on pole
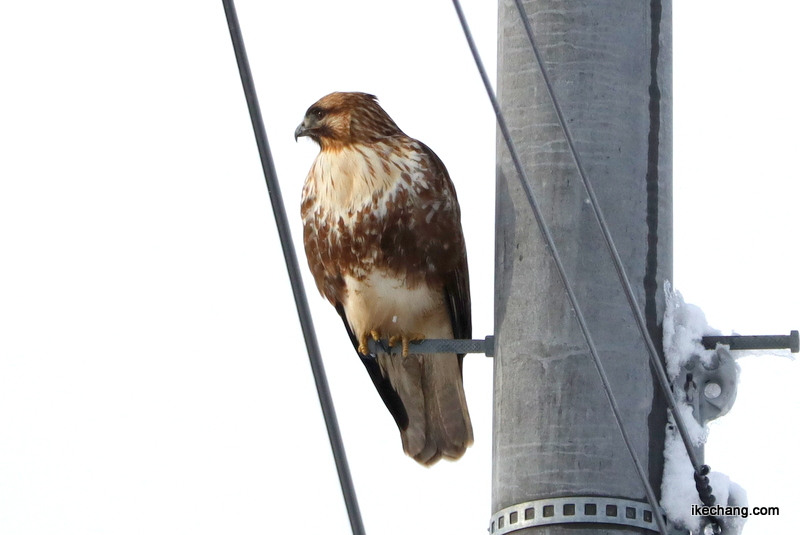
424,347
780,341
486,346
710,389
573,510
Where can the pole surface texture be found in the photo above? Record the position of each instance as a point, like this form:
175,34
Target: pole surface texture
610,64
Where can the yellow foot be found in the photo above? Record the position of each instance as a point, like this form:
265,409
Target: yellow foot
363,346
393,340
406,338
376,335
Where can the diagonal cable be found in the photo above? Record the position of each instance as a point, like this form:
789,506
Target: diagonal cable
651,497
655,361
293,268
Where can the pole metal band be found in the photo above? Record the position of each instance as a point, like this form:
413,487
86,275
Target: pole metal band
573,510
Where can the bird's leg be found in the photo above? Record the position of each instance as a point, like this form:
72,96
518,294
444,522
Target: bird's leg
376,335
393,340
412,337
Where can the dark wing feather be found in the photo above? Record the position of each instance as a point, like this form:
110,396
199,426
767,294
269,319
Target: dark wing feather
456,281
456,291
388,394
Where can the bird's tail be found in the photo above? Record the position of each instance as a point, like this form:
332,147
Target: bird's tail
432,391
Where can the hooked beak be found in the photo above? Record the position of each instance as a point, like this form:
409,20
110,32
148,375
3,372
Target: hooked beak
300,131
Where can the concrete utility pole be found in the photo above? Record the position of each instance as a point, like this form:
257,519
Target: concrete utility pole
610,63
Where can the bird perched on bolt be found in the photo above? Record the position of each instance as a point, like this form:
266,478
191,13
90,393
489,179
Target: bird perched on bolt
383,238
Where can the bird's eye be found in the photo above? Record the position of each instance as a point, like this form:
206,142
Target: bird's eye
317,113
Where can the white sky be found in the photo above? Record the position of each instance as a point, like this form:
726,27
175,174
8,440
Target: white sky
153,377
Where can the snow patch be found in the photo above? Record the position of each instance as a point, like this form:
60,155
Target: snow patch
684,326
697,432
678,492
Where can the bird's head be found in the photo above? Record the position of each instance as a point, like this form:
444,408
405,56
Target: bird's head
341,119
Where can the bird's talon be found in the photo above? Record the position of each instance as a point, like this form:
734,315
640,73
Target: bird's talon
411,338
363,346
393,340
375,335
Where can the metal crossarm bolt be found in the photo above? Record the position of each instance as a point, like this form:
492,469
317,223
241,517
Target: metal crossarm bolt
486,346
430,346
778,341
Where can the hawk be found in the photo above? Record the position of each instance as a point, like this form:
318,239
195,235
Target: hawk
382,234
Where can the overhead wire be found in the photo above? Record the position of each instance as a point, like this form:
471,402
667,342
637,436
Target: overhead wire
543,227
292,266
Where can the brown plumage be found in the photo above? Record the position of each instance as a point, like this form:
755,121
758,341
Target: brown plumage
382,233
